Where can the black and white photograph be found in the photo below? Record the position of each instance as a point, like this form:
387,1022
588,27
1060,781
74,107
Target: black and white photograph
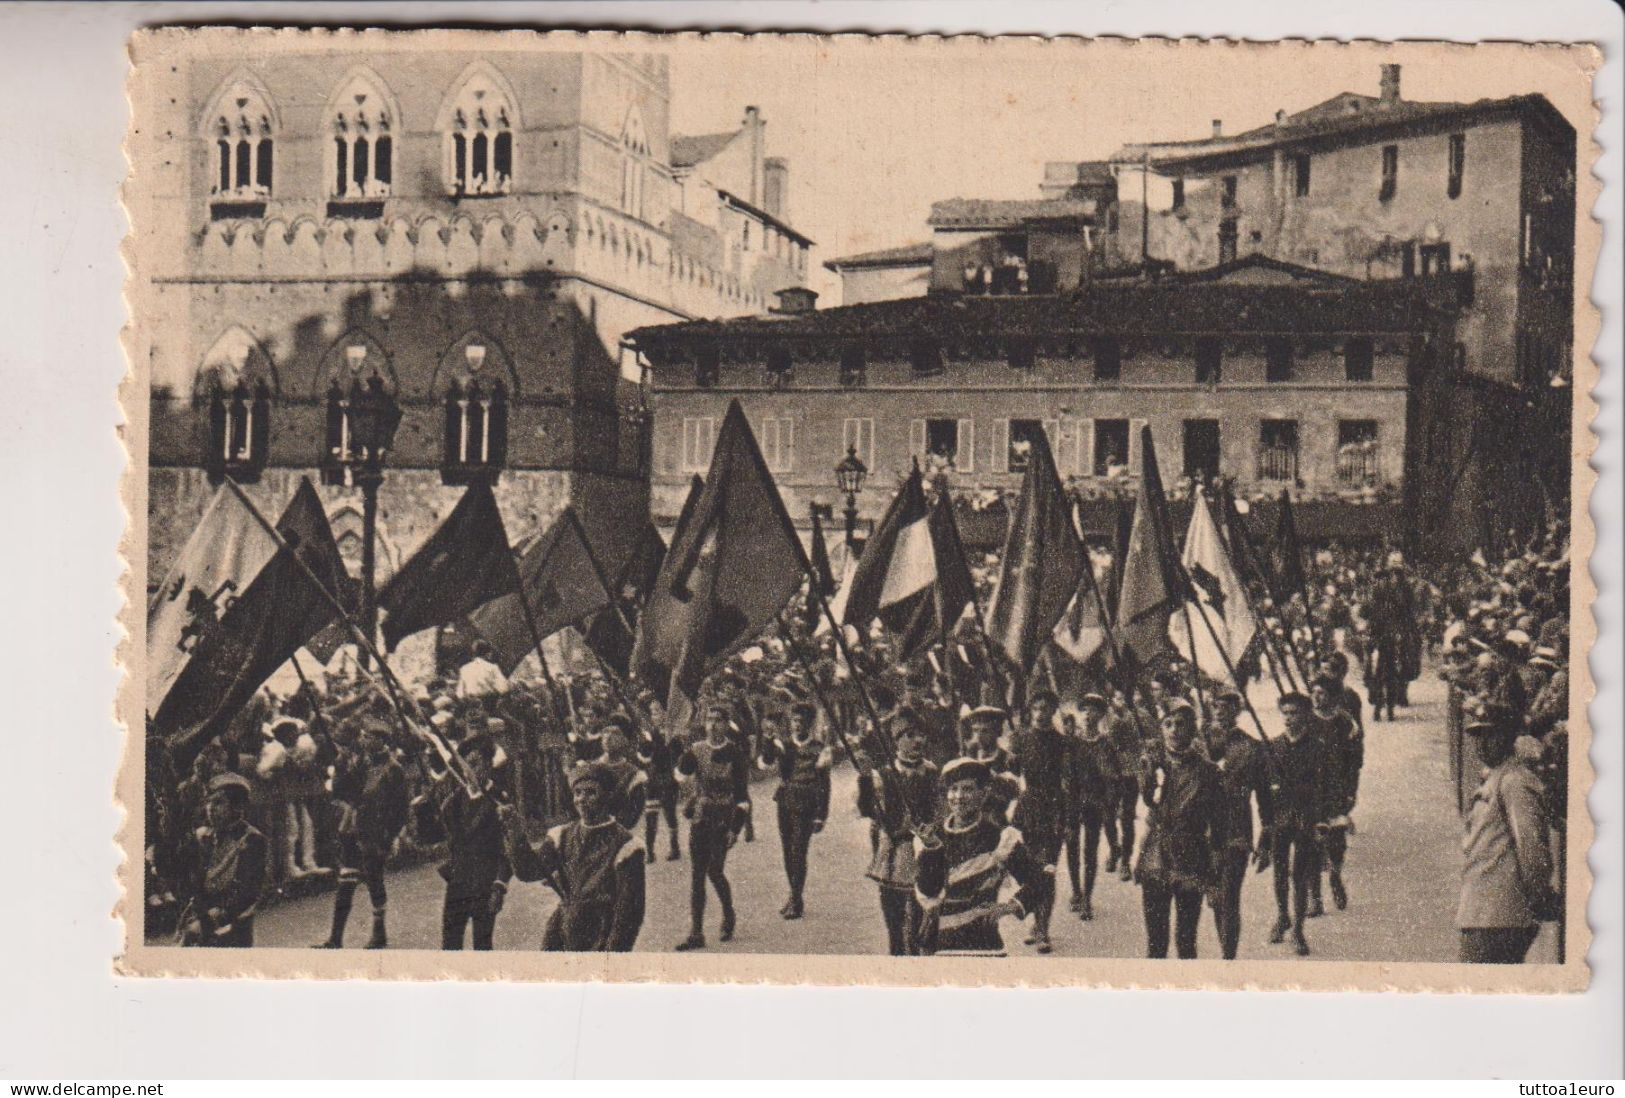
858,510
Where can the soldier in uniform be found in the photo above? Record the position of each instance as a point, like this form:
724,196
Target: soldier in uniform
1042,759
1180,786
717,812
1244,777
963,865
231,864
802,797
594,863
476,869
897,799
1300,767
369,788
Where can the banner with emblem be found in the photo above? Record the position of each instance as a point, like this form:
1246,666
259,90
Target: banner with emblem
239,639
224,553
1215,592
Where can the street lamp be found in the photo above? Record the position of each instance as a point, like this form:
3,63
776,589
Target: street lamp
849,477
365,420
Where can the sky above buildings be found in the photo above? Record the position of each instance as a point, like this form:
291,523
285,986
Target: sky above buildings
875,132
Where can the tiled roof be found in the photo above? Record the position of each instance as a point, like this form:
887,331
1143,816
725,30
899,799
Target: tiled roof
908,255
689,151
1146,308
968,213
1346,115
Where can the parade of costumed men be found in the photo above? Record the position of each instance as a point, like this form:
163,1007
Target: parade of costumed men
1187,703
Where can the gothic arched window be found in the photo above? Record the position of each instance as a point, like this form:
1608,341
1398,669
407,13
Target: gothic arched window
478,123
363,120
235,384
634,165
477,389
241,126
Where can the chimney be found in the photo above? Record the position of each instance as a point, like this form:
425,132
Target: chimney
776,187
1218,127
753,123
1280,118
796,301
1390,84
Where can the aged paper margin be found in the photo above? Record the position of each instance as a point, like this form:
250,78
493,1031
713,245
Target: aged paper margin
142,959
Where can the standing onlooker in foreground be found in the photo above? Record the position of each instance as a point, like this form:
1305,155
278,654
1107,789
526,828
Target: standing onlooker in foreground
1506,881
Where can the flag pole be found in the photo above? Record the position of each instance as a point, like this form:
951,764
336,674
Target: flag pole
392,684
1255,561
818,687
1224,652
615,680
536,640
1303,582
1109,627
846,653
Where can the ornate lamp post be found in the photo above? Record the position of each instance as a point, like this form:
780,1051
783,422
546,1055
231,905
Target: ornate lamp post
849,477
366,418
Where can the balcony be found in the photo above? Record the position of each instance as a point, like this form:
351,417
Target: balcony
1278,463
1359,465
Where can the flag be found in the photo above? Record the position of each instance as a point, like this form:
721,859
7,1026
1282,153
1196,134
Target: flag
821,584
241,641
912,574
606,632
464,565
726,578
1082,629
1150,583
1286,555
1215,591
558,578
1043,561
224,553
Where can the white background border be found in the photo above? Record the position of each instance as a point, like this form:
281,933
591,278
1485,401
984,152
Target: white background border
63,1015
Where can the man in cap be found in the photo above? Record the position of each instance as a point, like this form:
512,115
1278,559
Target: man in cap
1042,758
1302,807
963,865
986,725
476,869
1244,778
369,790
1180,786
1506,885
1096,771
717,808
231,862
802,797
595,864
898,799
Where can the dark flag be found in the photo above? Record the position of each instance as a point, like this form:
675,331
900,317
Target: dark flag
606,633
1150,590
821,584
464,565
912,574
1043,563
237,646
1286,555
725,579
557,576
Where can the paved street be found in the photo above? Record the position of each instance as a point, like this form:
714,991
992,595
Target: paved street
1402,877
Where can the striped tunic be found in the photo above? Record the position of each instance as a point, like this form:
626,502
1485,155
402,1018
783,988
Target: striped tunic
960,882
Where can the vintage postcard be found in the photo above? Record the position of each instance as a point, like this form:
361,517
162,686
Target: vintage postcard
858,510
